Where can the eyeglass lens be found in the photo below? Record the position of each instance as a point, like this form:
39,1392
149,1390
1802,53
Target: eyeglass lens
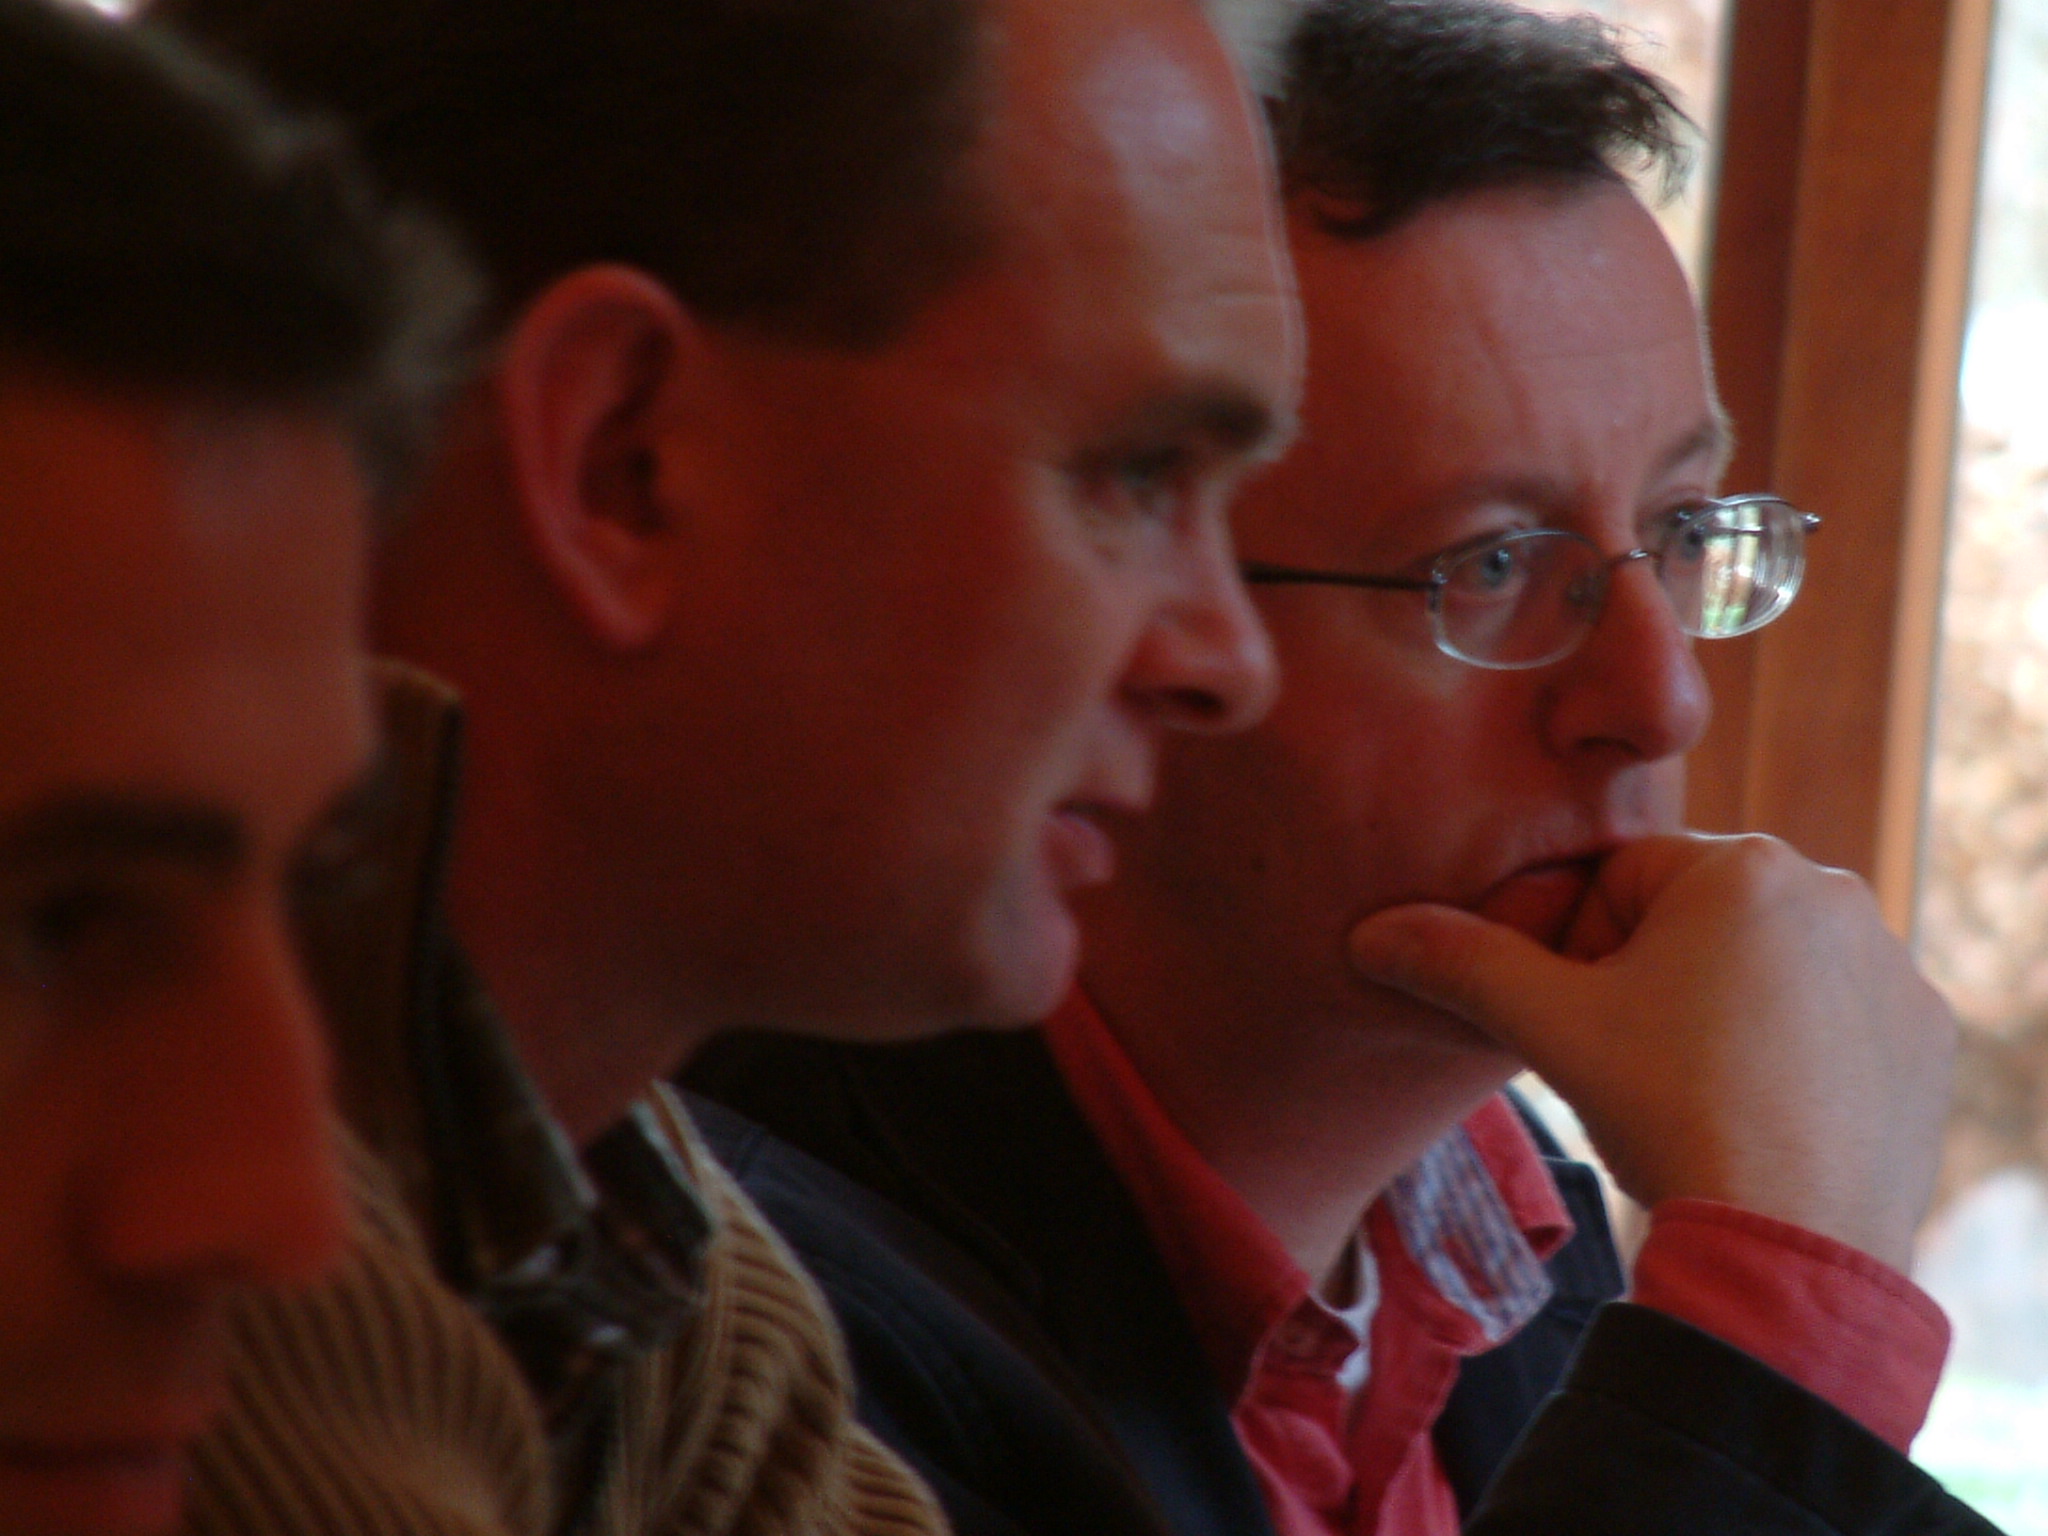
1736,569
1519,601
1531,597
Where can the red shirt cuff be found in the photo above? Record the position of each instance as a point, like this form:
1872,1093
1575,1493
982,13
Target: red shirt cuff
1847,1328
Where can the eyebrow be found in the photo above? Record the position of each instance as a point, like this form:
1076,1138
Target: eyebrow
1713,439
1232,418
119,828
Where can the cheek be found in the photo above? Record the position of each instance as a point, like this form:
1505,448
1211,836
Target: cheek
1047,650
1372,807
1372,791
39,1148
1267,830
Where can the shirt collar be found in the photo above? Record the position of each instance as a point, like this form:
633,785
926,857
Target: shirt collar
582,1258
1472,1221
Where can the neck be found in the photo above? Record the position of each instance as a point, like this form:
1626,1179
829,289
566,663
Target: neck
1309,1113
573,973
561,970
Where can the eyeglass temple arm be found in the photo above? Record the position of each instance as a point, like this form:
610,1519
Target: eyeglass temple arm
1260,573
1294,576
1809,521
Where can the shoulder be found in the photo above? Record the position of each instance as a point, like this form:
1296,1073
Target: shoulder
745,1421
944,1298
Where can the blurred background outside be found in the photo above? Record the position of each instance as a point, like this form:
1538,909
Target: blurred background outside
1982,916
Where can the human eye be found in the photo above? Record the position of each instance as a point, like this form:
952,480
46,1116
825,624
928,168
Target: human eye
1495,566
90,933
1490,569
1684,530
1149,484
335,860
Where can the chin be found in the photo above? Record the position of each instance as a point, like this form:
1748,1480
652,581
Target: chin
1394,1015
1003,972
1029,955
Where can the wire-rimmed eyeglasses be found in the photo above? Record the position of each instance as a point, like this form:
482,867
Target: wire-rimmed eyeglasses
1529,598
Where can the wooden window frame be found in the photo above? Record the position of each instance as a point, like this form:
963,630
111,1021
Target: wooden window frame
1837,290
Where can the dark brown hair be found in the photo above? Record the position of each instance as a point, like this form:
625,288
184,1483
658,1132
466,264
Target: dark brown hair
162,230
796,165
1391,105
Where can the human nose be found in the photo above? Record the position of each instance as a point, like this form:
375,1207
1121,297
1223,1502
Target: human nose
1205,662
227,1169
1634,686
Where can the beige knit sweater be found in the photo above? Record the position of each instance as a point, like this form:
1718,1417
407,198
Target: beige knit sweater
381,1405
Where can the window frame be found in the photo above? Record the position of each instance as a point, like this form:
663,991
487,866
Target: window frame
1836,290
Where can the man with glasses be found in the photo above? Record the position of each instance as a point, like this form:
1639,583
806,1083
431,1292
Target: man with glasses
1270,1229
1507,602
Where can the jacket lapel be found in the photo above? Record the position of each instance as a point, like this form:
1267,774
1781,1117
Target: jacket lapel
1038,1205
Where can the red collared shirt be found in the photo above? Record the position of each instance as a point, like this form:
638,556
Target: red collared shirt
1334,1405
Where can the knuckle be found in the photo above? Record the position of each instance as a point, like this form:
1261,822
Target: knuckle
1767,867
1758,853
1780,873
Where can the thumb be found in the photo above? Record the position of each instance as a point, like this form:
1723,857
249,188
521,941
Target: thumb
1483,972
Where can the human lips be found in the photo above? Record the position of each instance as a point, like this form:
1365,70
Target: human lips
1078,849
119,1484
1540,899
1078,846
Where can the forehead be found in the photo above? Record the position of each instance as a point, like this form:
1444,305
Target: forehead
179,602
1133,187
1530,336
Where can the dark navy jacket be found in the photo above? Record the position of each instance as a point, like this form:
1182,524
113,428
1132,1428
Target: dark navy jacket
1017,1339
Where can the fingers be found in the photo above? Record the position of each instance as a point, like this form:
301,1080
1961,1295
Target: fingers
1629,884
1504,982
1481,971
1731,1021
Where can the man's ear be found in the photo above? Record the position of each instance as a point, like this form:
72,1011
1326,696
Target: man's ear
591,384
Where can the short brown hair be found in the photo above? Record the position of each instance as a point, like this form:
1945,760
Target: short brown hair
1391,105
161,229
796,165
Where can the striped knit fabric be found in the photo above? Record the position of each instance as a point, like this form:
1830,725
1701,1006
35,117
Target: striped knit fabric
381,1405
744,1425
378,1404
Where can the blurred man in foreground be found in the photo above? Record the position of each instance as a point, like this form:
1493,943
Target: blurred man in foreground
1273,1226
212,349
